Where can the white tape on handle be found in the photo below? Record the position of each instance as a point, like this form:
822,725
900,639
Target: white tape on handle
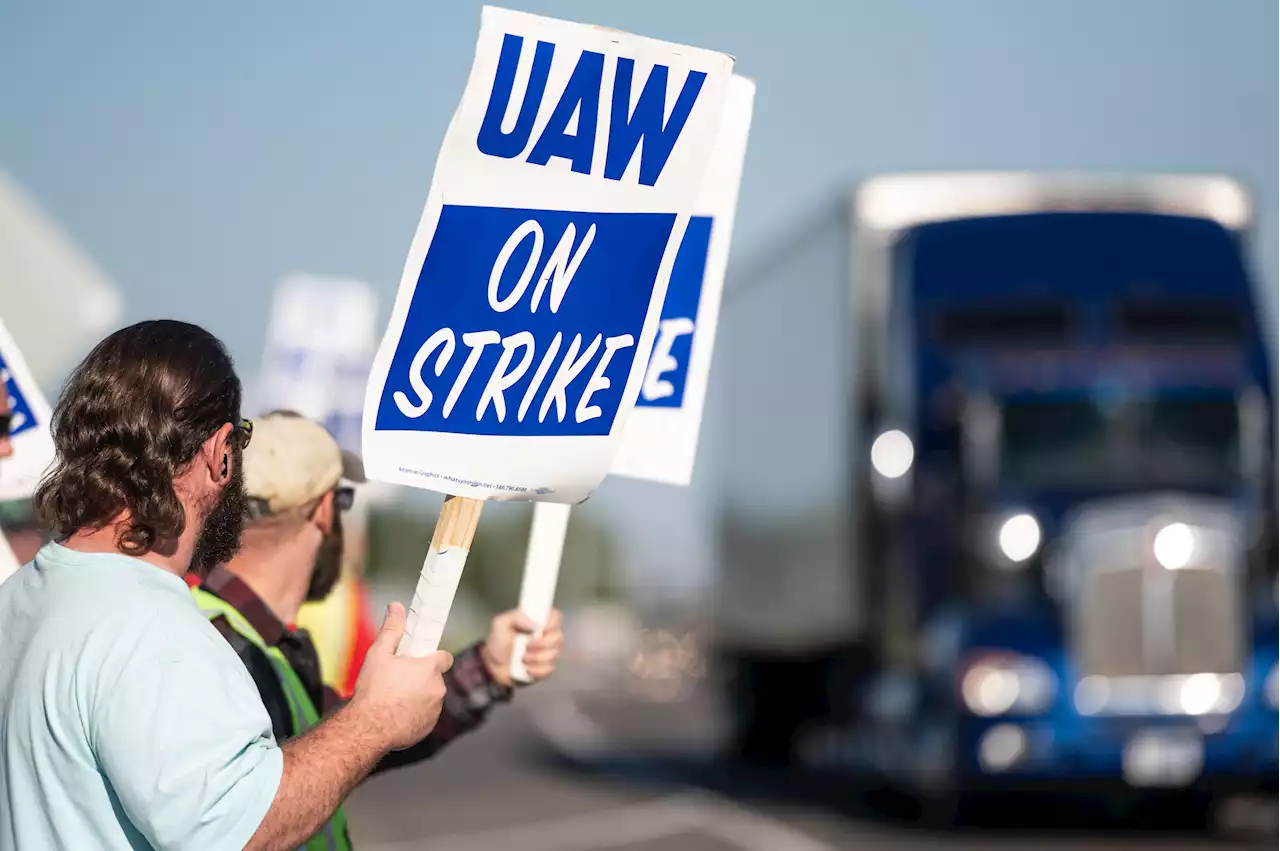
8,561
541,573
432,600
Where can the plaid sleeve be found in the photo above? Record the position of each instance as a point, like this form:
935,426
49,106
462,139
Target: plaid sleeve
470,693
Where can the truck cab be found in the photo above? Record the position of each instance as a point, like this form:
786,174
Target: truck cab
1008,516
1067,504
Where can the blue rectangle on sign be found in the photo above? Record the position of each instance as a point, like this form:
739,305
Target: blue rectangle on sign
669,362
23,419
524,322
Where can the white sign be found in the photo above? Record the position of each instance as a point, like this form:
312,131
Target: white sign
28,425
660,440
320,343
531,296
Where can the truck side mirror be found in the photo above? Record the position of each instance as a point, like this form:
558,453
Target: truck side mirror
981,427
1252,417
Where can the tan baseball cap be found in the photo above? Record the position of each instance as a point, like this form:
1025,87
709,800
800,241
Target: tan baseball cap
291,461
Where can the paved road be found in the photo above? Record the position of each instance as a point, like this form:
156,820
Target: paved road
567,771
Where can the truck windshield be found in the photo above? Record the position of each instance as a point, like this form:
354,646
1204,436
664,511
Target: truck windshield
1087,442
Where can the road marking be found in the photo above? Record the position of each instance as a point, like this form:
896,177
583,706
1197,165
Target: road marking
623,826
588,832
557,716
753,831
571,731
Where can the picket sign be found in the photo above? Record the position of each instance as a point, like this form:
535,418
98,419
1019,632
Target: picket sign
560,198
660,439
28,434
321,336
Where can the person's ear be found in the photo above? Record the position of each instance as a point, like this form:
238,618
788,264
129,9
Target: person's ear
323,516
216,455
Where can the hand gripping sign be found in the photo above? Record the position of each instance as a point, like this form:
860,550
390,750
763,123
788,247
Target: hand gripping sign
660,439
28,434
532,292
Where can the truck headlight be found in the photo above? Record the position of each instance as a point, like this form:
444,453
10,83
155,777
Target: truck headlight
1201,694
1175,546
1019,537
1007,683
892,454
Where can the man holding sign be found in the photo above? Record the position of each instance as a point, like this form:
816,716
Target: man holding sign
125,719
291,552
531,298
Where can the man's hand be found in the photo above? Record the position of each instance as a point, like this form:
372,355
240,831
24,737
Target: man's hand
404,694
397,702
540,655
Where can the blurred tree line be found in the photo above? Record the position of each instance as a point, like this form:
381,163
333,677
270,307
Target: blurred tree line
399,535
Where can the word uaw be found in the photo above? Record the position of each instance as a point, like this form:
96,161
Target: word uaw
651,126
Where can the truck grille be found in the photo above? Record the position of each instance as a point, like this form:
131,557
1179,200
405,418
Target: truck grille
1137,622
1130,615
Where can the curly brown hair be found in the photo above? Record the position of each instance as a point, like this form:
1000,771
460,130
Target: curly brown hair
132,417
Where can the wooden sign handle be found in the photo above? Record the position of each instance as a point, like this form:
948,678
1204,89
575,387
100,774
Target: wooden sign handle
441,571
541,573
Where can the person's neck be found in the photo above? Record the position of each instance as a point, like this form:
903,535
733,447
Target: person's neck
278,571
171,556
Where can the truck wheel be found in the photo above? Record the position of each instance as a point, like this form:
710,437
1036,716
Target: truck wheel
1119,806
772,700
765,745
762,736
945,810
1243,816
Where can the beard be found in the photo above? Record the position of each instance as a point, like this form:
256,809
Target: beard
328,567
219,537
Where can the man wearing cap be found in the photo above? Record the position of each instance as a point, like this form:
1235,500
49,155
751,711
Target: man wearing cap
291,553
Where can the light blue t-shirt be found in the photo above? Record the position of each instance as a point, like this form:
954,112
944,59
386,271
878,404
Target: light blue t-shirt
126,720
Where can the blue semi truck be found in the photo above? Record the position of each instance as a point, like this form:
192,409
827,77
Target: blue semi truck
1037,545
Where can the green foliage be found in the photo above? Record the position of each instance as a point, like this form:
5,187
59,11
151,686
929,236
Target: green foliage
398,538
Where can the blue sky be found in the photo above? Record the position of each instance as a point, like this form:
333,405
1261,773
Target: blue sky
201,151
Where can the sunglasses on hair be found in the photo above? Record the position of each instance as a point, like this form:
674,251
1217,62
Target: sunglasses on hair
243,433
344,497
